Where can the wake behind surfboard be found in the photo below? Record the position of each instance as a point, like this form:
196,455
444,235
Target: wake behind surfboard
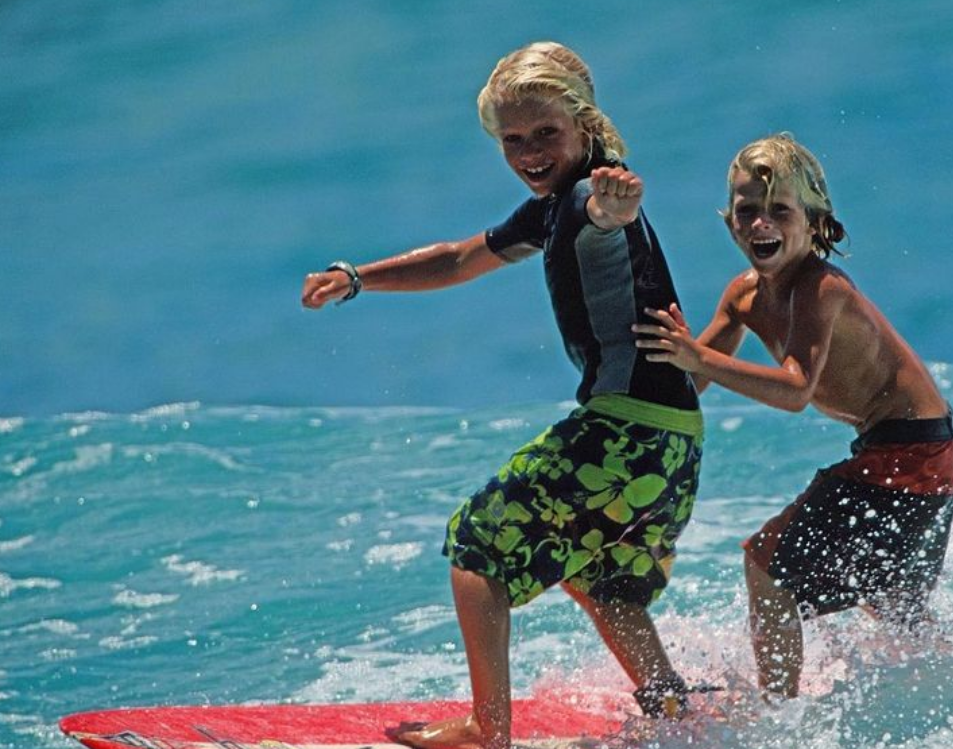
537,722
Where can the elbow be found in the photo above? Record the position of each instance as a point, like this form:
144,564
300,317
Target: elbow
793,406
797,400
796,390
701,383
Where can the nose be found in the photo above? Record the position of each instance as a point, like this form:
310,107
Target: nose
529,147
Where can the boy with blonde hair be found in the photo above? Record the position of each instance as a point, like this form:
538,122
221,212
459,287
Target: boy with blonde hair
871,530
596,503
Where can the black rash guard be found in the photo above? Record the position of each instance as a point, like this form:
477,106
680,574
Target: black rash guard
599,283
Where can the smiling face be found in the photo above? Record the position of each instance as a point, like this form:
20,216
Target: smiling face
770,226
541,143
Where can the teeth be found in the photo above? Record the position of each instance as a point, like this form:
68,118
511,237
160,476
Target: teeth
536,170
764,241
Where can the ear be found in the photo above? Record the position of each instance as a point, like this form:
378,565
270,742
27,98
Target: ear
587,141
726,217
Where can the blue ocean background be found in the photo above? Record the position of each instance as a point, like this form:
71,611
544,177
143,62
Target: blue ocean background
209,495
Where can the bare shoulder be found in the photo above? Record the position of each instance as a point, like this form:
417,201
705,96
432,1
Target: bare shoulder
823,283
737,298
741,286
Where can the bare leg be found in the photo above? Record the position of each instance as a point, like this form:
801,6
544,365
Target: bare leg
483,611
628,631
775,632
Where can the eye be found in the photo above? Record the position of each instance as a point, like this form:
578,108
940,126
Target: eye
510,139
547,132
780,209
745,210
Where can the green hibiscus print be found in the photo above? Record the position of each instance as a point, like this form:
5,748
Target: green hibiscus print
509,539
499,511
592,551
554,511
497,523
684,510
675,454
653,535
532,459
616,495
638,561
562,548
524,589
616,447
624,446
555,470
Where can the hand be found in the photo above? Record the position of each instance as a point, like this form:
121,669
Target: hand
616,197
321,288
670,341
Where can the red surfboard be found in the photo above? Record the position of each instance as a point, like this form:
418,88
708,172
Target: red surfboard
537,721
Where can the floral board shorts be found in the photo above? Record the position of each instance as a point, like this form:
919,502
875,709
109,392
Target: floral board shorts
597,501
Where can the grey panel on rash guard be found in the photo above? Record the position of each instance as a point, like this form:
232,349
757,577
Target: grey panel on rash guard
605,270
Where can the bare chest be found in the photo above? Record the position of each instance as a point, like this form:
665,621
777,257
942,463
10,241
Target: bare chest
770,322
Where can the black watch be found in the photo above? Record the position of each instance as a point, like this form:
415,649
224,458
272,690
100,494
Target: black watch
356,284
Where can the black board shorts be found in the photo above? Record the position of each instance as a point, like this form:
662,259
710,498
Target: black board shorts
872,529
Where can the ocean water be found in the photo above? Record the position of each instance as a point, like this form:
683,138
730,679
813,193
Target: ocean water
208,495
191,554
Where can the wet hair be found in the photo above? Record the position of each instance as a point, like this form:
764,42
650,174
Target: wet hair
780,158
544,72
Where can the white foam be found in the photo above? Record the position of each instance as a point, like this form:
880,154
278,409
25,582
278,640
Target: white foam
363,674
16,544
395,555
9,585
506,425
166,410
119,643
10,425
87,458
151,453
732,423
58,654
19,467
54,626
132,599
200,573
424,618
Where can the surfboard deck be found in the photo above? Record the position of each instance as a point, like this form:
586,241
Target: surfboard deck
537,722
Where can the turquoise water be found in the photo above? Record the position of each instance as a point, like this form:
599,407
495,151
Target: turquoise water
192,554
208,495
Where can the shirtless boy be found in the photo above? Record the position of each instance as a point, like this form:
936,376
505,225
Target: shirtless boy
869,531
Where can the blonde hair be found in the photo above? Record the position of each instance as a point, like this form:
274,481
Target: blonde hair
781,158
547,71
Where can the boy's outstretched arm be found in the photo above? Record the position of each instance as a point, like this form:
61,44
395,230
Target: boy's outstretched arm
432,267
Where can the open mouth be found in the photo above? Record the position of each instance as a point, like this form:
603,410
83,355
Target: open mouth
539,173
765,248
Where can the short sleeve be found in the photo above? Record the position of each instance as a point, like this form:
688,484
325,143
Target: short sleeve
522,234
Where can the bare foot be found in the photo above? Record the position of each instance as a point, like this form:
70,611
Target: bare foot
455,733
